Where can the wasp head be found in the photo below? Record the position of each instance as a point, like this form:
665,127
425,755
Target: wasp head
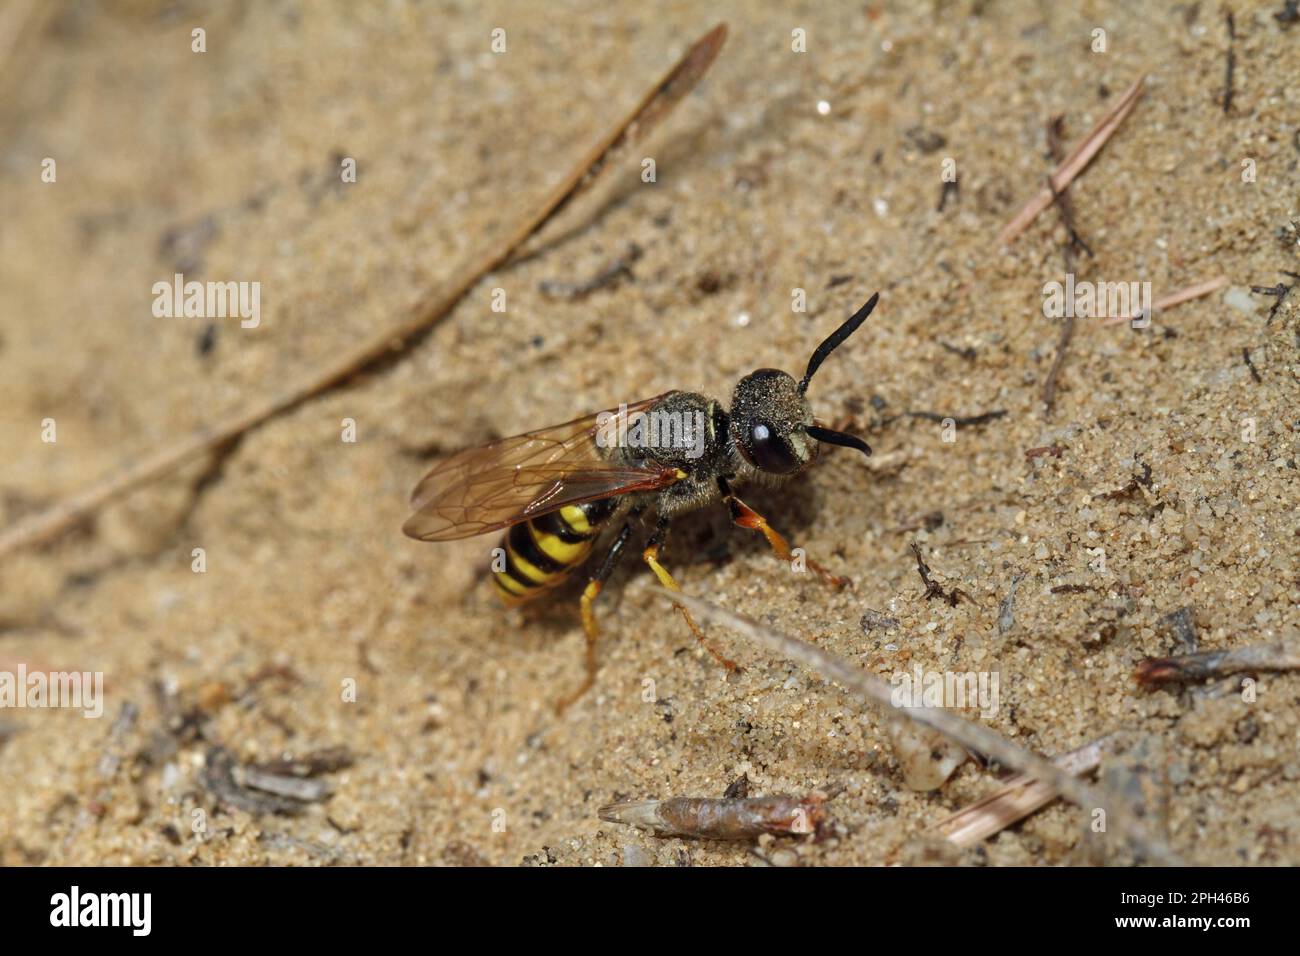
772,422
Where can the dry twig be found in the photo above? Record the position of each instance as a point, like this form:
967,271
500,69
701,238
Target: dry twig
1191,667
933,589
1073,246
652,109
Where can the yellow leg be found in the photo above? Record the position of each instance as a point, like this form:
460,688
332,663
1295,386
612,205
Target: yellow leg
589,595
592,632
747,517
651,557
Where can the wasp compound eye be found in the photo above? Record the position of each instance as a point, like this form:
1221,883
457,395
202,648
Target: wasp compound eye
771,452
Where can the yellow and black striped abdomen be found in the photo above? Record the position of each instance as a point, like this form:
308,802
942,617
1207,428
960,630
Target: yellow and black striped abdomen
544,551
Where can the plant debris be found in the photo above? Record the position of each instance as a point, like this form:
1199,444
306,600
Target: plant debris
968,353
872,619
328,760
1231,66
1074,245
1194,667
981,419
616,271
932,588
218,778
1197,291
726,819
1281,290
1006,609
1018,797
279,787
738,788
1042,451
1183,625
1138,481
1254,372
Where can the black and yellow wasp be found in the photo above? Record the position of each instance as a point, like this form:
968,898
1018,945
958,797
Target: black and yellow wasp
557,489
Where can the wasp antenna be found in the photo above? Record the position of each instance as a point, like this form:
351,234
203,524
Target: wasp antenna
842,439
836,339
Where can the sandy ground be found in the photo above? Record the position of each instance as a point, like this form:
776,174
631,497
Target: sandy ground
317,626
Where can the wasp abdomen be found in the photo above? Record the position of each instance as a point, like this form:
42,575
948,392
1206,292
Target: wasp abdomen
543,551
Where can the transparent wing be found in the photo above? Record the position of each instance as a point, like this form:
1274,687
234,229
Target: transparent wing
511,480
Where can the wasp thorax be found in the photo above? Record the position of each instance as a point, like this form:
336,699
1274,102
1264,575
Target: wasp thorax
769,415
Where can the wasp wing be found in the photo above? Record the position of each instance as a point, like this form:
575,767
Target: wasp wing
511,480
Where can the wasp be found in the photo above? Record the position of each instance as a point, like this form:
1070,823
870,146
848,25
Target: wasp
557,490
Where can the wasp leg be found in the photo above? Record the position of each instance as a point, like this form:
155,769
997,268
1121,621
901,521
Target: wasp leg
747,517
589,595
651,557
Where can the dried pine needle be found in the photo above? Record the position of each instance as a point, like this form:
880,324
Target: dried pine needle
1076,162
1196,291
1017,798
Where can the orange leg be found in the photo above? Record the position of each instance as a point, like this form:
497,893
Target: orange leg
747,517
